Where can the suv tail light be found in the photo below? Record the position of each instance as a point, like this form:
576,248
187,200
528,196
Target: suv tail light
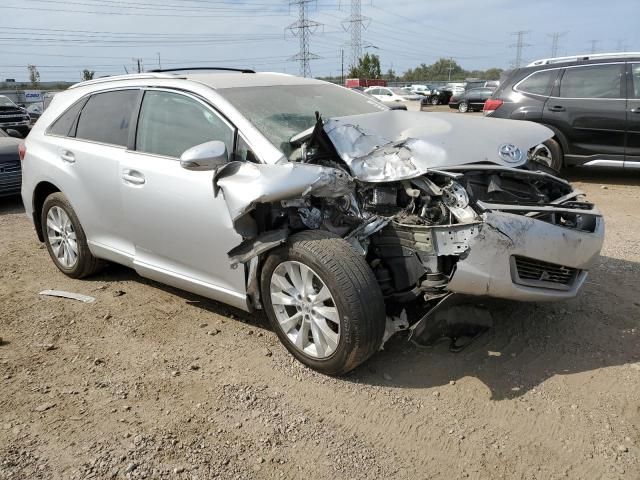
22,151
491,106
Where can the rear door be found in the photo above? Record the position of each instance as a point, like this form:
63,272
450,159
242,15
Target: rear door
632,153
88,152
589,108
181,232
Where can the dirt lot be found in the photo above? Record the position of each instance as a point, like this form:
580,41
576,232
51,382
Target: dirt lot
151,382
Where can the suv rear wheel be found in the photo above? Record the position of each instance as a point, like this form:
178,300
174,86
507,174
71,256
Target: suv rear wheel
65,239
323,302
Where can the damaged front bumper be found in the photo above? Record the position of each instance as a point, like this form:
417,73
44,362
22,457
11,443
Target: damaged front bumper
521,258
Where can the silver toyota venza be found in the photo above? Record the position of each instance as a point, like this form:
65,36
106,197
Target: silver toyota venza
345,221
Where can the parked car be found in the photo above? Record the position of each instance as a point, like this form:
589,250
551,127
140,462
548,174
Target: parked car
438,96
345,221
392,94
471,99
13,116
391,105
591,102
10,176
34,110
424,90
493,84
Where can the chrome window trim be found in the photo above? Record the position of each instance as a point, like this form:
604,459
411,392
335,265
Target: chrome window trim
515,87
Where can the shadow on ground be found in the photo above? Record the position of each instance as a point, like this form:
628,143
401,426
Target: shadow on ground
11,204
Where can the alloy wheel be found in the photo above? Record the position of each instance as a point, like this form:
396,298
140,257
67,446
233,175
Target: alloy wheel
305,309
62,237
542,154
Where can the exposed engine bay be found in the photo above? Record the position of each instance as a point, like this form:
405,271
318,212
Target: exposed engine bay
479,228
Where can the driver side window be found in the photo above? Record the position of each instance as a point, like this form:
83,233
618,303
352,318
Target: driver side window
171,123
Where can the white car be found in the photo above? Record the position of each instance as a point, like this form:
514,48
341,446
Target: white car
344,221
392,94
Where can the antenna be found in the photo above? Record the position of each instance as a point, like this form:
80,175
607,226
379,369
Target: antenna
519,46
354,25
555,45
303,29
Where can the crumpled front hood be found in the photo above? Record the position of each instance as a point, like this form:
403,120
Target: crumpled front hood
396,145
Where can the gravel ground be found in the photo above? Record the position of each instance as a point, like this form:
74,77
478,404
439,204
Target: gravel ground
152,382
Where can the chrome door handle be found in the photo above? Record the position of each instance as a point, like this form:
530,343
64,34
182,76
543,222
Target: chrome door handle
68,156
132,176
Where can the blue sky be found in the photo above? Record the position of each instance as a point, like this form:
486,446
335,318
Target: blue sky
62,37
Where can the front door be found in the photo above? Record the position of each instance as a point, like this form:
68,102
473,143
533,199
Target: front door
181,232
589,107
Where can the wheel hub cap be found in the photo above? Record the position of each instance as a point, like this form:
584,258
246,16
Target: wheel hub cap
305,309
62,237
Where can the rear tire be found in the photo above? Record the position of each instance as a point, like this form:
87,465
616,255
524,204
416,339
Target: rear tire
435,101
65,239
550,153
359,324
463,107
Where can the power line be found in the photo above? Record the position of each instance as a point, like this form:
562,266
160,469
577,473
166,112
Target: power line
354,25
303,29
519,46
555,45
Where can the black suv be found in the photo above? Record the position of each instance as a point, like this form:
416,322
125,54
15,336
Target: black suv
591,102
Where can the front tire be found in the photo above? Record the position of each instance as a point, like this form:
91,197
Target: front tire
463,107
65,239
323,302
435,101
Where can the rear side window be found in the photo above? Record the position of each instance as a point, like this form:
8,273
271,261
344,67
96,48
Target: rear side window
62,126
106,117
171,123
594,81
539,83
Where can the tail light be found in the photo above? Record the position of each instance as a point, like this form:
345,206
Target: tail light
22,151
491,105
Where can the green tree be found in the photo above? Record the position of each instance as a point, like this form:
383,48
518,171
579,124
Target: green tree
34,75
88,74
368,67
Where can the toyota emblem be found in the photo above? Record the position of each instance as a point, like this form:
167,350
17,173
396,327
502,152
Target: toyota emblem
510,153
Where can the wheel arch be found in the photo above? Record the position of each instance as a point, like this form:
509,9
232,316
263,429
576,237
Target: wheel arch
560,138
40,193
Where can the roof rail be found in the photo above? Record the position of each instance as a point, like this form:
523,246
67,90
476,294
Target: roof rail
582,58
224,69
131,76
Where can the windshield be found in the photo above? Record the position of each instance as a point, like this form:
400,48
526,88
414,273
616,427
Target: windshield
282,111
5,102
400,91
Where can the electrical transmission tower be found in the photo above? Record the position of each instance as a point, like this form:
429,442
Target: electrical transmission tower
303,29
594,45
519,46
555,45
622,45
354,25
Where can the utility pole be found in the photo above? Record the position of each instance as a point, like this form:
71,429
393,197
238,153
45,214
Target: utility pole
159,62
594,45
342,66
555,45
138,64
303,29
354,25
519,46
450,67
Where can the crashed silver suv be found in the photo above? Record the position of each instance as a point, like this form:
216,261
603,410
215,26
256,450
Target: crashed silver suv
343,220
